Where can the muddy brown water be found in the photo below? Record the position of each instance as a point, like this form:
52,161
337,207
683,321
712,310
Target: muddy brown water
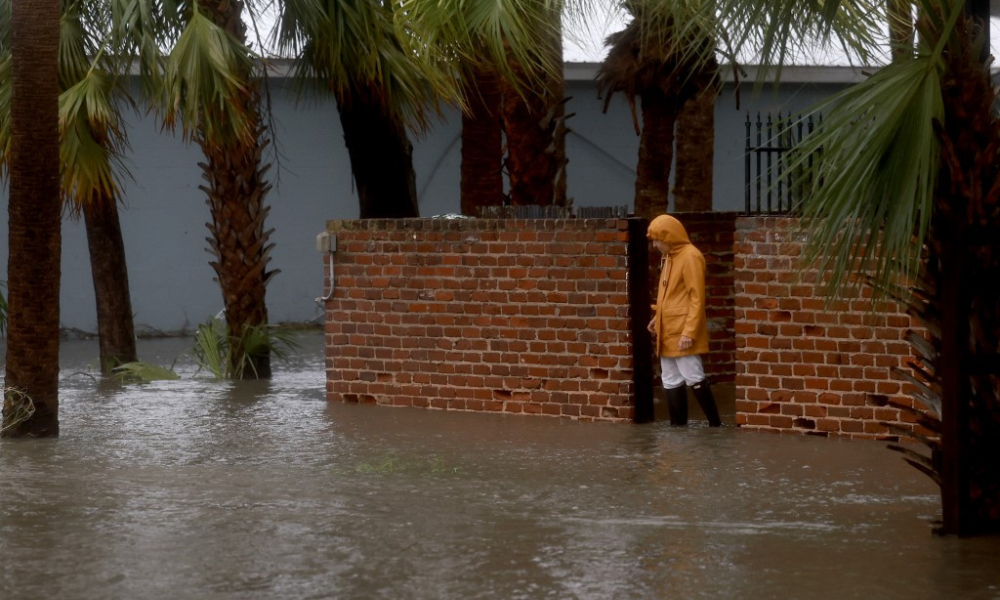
211,490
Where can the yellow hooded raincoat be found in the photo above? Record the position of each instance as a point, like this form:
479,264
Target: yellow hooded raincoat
680,297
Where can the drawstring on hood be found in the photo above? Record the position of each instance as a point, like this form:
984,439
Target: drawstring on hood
669,230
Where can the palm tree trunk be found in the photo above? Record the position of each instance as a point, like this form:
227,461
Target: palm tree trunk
482,145
35,240
115,327
900,28
964,251
236,190
239,242
535,122
656,153
381,158
696,149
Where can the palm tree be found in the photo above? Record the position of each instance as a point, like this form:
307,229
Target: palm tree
207,84
668,63
695,143
482,141
354,50
534,115
906,189
236,185
91,143
909,161
31,389
519,44
93,139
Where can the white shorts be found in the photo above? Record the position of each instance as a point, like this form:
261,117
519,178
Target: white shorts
678,370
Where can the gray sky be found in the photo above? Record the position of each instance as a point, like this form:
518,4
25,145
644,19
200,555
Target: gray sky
588,46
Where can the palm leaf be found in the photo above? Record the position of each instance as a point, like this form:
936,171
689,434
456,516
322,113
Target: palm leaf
93,139
345,46
143,372
204,82
139,31
772,32
509,34
870,190
211,347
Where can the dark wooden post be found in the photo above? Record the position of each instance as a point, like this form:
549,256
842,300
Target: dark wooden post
639,313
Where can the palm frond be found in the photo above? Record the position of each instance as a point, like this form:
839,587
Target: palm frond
142,372
74,46
93,139
213,346
870,191
258,340
348,46
509,34
140,31
772,32
204,82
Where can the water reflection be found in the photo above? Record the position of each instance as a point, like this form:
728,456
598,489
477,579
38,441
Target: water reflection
203,489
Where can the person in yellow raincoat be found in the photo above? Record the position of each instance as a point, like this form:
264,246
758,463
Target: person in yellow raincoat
679,324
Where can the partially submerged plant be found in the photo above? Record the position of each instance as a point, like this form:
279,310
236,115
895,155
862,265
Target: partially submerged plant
142,372
213,348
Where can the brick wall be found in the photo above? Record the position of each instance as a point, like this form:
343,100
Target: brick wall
517,316
804,366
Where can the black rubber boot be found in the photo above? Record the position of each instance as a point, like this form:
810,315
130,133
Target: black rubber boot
706,400
677,405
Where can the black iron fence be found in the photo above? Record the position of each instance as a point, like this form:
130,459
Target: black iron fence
772,186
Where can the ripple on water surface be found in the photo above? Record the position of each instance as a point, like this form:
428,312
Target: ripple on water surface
196,488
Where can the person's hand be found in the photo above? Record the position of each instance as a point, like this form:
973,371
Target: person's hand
685,343
652,326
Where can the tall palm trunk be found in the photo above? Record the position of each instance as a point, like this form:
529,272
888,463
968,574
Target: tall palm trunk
900,28
33,268
965,259
236,190
115,326
535,121
482,145
381,157
696,148
643,65
656,152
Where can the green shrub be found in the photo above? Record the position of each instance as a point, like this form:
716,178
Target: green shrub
213,345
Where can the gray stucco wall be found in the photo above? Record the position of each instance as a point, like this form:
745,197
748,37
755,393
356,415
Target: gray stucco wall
163,221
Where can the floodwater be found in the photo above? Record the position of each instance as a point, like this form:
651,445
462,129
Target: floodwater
212,490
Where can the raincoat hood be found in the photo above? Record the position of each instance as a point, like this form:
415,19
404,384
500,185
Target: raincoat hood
668,229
